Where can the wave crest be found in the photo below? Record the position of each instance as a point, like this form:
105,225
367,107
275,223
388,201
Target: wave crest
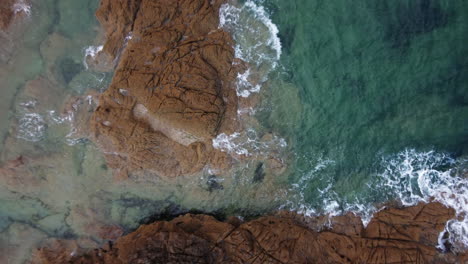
409,176
21,7
257,43
248,143
415,177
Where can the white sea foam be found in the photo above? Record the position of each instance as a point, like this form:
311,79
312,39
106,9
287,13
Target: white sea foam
246,111
67,118
421,176
244,86
73,137
21,7
247,143
29,104
31,127
329,199
255,34
60,119
91,51
257,43
410,177
227,144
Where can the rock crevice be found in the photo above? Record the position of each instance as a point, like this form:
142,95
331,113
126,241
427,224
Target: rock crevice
172,90
405,235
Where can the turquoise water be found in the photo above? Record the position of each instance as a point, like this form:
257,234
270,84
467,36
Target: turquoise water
380,92
361,104
374,78
371,96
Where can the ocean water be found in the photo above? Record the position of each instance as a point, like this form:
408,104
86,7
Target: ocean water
370,96
383,94
361,103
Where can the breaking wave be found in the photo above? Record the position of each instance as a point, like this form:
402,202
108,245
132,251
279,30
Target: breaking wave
22,7
31,127
91,51
248,143
257,43
409,177
415,177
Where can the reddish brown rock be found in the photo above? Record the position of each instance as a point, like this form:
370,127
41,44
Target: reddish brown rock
6,13
406,235
172,89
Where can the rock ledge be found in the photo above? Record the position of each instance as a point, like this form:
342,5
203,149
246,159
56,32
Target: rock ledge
407,235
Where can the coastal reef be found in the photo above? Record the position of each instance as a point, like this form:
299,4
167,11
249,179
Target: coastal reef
171,93
408,235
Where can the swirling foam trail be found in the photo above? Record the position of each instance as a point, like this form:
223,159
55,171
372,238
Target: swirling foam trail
91,51
31,127
257,43
21,6
416,177
247,143
410,177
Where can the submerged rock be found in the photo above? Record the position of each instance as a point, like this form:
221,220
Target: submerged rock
407,235
213,183
172,91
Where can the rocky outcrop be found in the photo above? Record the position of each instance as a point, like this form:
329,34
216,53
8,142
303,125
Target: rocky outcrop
6,13
172,89
406,235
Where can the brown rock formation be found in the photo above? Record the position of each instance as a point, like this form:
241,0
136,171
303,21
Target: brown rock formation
171,92
6,13
406,235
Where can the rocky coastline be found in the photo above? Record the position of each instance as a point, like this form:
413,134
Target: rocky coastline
394,235
9,9
172,93
172,89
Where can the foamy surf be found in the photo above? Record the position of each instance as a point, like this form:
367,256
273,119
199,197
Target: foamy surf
21,7
91,51
247,143
409,177
31,127
257,43
415,177
328,201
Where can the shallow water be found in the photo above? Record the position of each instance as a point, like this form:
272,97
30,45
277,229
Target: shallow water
53,182
365,103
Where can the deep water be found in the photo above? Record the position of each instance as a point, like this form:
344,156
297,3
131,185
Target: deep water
372,97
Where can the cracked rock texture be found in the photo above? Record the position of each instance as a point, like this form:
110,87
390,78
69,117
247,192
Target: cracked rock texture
172,90
406,235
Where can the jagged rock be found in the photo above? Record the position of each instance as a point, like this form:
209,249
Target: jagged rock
172,89
407,235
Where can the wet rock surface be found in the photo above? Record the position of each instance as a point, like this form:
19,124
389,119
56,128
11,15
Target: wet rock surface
407,235
172,89
6,13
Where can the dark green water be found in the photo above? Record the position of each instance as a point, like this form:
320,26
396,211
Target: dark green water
373,78
371,96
